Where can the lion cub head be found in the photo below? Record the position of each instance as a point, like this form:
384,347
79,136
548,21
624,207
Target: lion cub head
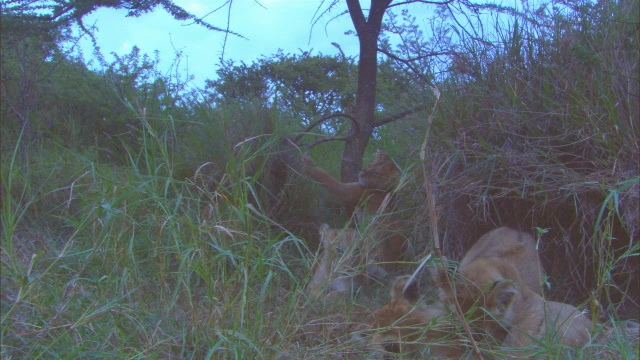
382,174
338,265
346,262
487,284
405,327
516,248
491,294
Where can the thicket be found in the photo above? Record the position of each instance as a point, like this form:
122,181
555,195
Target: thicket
143,219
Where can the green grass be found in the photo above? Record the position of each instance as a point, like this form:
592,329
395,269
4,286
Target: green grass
107,262
119,262
176,239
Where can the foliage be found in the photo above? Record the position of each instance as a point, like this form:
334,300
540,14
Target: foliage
140,219
309,87
61,14
542,130
128,252
301,85
28,58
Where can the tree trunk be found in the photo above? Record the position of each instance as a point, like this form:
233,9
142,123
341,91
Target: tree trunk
368,30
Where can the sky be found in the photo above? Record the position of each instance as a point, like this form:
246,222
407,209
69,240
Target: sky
277,24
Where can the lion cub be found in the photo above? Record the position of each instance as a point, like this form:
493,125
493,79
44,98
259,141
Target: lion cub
403,326
491,292
343,263
368,193
515,247
366,198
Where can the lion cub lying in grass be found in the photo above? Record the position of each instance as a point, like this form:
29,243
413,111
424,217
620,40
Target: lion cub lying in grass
515,247
404,326
345,261
490,292
498,289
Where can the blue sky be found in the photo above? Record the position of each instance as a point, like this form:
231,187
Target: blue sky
267,26
280,24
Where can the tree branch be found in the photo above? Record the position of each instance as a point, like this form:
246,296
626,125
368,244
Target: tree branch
63,13
399,116
355,11
325,118
422,2
334,138
377,11
407,62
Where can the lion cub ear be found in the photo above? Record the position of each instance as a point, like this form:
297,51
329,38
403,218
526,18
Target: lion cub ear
323,228
504,294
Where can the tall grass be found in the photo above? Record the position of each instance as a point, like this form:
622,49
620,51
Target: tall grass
183,249
542,132
120,263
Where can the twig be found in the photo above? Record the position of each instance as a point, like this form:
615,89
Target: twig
433,220
325,118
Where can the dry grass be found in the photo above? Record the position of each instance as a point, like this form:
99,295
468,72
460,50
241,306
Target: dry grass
131,259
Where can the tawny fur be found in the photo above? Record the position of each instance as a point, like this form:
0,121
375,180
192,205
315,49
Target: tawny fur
345,261
509,310
367,194
515,247
403,326
366,198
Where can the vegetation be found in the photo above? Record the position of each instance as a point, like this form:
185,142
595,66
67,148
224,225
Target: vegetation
143,219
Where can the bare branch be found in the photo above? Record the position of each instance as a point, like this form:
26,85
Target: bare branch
325,118
321,141
399,116
474,36
316,17
179,13
357,16
422,2
407,62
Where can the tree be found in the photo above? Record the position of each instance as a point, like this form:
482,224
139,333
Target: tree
28,57
368,29
63,13
32,32
302,86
